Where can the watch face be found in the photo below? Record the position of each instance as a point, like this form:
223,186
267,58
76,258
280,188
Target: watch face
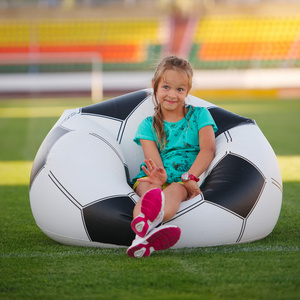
185,177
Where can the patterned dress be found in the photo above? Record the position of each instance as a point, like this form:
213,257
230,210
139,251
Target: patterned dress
182,141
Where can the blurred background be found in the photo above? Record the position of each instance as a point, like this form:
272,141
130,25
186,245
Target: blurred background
238,48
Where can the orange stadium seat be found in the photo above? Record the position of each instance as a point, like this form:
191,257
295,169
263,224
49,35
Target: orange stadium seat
238,41
127,41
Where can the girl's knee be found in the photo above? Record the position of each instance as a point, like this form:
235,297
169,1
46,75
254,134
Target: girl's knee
177,187
142,188
175,192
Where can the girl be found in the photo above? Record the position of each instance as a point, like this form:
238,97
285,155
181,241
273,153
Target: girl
178,144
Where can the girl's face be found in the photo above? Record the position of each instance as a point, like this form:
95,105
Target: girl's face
172,91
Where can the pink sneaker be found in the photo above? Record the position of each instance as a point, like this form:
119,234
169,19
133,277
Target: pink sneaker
160,238
152,212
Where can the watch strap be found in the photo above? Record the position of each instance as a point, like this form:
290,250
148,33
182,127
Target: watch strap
192,177
187,176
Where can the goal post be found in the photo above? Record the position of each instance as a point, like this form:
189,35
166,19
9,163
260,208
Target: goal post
64,64
97,80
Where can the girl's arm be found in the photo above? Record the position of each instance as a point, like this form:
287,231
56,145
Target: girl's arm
156,174
150,151
203,159
207,151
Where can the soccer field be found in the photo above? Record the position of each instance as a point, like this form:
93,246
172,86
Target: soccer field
33,266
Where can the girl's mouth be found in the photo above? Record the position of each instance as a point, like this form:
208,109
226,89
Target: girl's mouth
170,101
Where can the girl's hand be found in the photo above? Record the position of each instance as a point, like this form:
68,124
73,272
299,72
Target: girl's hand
192,188
155,175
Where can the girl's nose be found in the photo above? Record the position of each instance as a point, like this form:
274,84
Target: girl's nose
172,94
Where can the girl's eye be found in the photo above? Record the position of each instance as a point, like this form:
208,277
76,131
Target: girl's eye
180,90
165,87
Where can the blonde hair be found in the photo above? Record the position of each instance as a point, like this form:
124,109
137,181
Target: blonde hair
168,63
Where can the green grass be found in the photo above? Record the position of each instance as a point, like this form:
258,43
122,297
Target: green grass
32,266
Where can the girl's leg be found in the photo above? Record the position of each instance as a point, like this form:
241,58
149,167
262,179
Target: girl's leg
164,236
148,212
141,189
175,193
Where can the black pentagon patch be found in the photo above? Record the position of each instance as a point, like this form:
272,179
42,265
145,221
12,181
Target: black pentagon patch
108,221
119,107
235,184
42,154
225,119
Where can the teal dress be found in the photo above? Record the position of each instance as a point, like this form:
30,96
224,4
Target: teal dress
182,141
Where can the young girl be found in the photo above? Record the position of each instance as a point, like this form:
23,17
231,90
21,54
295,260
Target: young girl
178,144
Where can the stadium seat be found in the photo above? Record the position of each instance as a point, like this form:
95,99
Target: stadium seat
241,42
128,42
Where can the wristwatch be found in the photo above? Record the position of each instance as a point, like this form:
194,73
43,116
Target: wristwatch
187,176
